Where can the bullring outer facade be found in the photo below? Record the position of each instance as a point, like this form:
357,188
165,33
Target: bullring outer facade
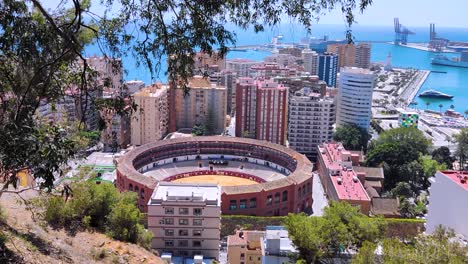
256,177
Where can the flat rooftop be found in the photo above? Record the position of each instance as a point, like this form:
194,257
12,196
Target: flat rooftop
166,191
460,178
346,183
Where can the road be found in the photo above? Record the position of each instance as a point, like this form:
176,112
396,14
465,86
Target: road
318,194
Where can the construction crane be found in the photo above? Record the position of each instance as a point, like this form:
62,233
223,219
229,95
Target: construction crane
401,33
435,43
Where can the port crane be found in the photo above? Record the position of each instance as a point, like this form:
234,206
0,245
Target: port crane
436,43
401,33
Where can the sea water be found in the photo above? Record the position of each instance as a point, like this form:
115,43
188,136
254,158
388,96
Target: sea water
454,82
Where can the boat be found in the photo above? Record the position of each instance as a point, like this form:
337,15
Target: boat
455,62
435,94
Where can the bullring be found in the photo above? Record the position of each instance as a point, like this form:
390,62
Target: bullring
257,177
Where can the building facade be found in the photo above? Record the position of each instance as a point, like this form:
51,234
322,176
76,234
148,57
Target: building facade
355,97
297,83
447,202
262,110
149,122
340,181
246,247
310,61
204,104
327,68
311,120
227,79
240,66
185,219
351,55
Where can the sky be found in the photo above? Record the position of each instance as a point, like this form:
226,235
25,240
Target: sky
412,13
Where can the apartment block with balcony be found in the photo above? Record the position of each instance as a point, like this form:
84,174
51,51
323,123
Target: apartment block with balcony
246,247
149,122
311,120
185,219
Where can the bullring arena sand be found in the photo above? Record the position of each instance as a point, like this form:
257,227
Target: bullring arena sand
218,179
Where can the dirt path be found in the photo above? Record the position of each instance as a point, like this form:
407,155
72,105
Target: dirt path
31,243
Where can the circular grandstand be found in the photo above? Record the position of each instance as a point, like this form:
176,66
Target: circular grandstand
256,177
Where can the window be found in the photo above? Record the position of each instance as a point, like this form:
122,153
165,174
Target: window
233,205
169,232
142,194
130,187
285,196
183,232
299,192
183,211
183,221
277,197
169,243
196,243
169,210
183,243
197,222
168,221
197,211
253,203
197,232
242,204
308,187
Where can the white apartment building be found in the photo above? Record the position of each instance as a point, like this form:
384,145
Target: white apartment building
149,122
310,61
355,97
240,66
311,119
185,219
447,202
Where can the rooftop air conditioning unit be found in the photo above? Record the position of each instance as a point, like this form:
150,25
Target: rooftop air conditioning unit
339,180
355,179
198,259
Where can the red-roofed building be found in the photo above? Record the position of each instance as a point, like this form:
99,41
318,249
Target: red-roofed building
448,195
341,182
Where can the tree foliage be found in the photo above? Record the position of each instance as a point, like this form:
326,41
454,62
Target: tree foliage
352,137
97,206
430,249
342,227
461,139
443,156
42,57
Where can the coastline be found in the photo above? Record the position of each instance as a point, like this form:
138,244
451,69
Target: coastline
413,88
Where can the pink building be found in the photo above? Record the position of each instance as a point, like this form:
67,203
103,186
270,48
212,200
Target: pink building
341,182
261,110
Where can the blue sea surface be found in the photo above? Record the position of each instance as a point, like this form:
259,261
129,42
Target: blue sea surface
454,82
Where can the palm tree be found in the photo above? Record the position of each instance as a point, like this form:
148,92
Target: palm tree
466,113
452,107
440,107
427,105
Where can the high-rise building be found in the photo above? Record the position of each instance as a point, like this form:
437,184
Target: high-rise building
272,112
310,61
270,70
227,79
262,109
203,104
150,121
206,63
283,60
355,97
246,107
295,51
185,219
351,55
363,54
297,83
134,86
240,66
327,68
311,119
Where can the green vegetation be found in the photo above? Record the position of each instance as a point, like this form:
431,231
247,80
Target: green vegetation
432,249
342,226
199,130
443,156
97,206
352,137
461,152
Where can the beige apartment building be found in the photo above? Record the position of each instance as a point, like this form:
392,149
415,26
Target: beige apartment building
203,104
185,219
150,121
246,247
351,55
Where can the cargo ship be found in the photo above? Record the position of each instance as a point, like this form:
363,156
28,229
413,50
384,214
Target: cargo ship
435,94
455,62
